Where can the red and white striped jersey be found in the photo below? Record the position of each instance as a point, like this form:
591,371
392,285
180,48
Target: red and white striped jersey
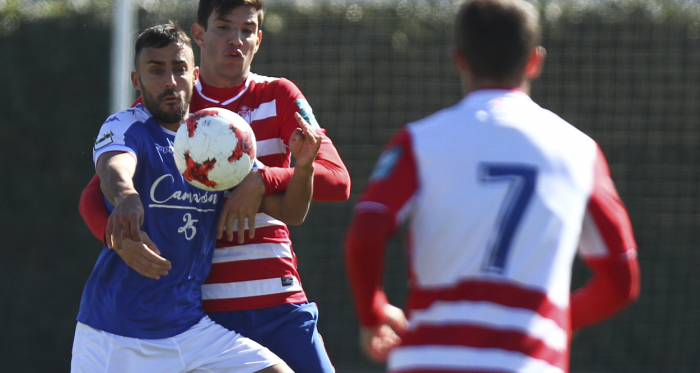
261,272
499,196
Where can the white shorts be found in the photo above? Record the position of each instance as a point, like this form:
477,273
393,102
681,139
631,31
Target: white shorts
206,347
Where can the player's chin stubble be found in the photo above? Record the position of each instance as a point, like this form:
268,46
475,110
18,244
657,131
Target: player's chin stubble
161,115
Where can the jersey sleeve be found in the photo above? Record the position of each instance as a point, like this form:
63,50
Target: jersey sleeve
394,181
331,177
608,248
116,134
290,100
377,215
93,209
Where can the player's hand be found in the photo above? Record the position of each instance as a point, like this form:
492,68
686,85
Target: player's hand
243,203
304,143
125,221
144,257
378,341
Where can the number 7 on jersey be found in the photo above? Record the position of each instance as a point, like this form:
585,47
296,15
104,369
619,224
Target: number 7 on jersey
521,181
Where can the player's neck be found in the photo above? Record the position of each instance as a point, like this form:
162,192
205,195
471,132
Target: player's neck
471,84
172,126
218,81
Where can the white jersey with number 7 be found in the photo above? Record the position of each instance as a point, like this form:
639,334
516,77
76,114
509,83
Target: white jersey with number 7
505,193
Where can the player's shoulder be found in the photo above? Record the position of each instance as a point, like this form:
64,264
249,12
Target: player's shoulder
278,84
114,130
440,118
553,122
126,119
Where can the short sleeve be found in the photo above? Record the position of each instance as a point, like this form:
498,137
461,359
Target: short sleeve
116,133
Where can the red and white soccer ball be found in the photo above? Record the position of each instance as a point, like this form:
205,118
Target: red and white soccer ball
214,149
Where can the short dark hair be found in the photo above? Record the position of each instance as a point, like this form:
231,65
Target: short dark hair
160,36
206,7
496,37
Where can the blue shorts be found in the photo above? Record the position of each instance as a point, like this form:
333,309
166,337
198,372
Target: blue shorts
288,330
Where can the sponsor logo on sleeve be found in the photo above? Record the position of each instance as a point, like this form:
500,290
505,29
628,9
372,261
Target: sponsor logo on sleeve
386,163
106,139
306,112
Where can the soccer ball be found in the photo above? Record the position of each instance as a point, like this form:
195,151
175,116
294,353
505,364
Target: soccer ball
214,149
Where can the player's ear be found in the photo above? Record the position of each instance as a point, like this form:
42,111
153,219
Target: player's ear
196,74
197,32
533,68
257,45
136,81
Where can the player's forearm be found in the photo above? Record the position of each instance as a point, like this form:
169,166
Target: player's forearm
292,206
116,172
614,285
92,208
297,198
364,262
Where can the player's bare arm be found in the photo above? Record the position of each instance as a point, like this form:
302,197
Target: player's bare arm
290,207
116,170
243,203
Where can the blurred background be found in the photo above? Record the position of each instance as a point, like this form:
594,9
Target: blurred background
626,72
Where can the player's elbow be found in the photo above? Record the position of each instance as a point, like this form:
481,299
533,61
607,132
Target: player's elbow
343,190
626,286
83,206
338,191
295,220
635,282
294,216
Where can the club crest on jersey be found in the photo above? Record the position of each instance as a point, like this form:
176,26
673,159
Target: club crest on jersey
107,138
386,163
246,114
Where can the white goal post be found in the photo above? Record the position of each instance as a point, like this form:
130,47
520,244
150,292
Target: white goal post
122,57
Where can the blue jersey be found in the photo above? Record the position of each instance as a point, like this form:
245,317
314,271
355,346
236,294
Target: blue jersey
181,221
